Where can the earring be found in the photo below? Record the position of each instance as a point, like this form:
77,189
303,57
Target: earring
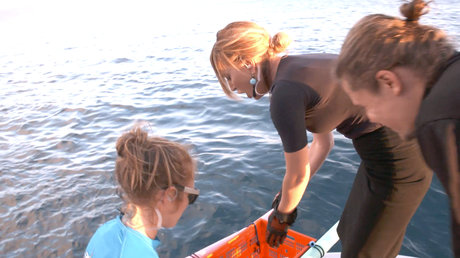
253,80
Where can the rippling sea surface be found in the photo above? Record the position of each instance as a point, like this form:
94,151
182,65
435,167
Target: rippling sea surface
75,75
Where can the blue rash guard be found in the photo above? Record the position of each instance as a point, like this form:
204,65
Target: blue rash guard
114,239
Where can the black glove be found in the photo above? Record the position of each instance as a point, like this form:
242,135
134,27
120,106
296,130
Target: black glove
278,223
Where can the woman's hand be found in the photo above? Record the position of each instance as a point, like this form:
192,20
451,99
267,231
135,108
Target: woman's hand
278,224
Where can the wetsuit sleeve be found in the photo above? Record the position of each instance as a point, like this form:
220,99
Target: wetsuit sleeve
287,110
440,144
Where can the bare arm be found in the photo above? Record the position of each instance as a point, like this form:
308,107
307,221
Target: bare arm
320,147
300,166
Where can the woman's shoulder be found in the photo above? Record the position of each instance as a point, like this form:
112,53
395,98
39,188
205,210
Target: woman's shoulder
114,239
113,225
443,99
312,57
135,247
300,67
106,239
308,72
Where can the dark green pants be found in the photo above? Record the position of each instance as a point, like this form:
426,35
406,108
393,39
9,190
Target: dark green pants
390,184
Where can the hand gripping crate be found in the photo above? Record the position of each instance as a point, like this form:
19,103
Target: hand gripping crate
251,242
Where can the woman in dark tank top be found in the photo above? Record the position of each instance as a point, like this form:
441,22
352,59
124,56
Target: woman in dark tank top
392,178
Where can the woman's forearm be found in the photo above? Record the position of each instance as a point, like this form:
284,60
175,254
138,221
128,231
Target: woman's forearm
319,149
295,180
293,189
300,167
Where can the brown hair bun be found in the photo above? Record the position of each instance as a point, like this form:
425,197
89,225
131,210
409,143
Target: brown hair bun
414,9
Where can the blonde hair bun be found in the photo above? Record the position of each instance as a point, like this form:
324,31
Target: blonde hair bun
279,42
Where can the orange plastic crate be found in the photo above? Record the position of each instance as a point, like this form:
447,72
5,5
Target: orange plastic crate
250,242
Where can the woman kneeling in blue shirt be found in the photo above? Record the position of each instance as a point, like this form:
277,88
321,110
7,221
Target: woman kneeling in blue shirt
156,181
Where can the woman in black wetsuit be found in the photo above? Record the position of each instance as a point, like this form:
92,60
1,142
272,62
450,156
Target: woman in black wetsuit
411,84
392,178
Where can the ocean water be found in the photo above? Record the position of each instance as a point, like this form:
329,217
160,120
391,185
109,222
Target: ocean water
75,75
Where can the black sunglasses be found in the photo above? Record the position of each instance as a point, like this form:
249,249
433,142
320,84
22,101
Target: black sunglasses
192,193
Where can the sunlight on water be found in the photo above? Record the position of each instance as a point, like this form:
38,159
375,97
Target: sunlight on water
74,75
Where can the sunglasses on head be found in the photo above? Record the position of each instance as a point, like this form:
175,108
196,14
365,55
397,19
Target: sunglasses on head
192,193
